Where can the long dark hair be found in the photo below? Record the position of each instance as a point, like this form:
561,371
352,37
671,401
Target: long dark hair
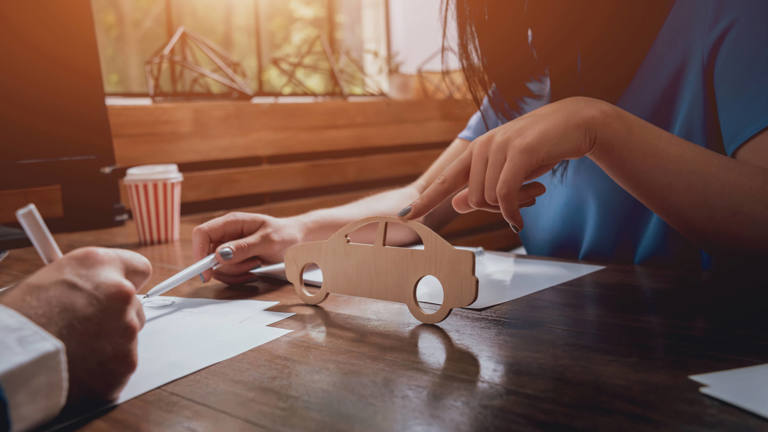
590,48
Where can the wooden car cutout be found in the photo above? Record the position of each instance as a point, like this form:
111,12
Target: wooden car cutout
385,272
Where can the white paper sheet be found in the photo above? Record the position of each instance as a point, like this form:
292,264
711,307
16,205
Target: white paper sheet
184,335
746,388
501,277
190,334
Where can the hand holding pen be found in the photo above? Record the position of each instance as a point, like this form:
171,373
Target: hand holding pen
188,273
87,300
253,239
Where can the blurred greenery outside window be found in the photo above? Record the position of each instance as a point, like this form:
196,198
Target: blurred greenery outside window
255,33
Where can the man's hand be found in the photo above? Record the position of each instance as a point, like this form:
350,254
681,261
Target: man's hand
87,299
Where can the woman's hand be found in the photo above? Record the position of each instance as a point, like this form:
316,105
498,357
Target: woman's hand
492,172
251,240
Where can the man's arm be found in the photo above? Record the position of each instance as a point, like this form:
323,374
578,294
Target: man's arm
33,372
69,333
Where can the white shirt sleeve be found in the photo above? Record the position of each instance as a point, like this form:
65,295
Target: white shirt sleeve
33,370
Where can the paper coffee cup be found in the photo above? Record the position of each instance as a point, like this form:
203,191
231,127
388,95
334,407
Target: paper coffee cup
155,195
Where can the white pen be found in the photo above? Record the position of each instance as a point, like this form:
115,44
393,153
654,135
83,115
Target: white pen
268,268
38,233
179,278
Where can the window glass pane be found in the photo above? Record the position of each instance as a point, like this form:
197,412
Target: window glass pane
229,25
282,46
361,40
293,34
128,32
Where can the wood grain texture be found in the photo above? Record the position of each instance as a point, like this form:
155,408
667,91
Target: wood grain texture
193,132
273,178
201,147
385,272
46,198
609,351
291,207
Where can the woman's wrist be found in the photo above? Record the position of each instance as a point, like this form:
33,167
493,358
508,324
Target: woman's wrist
602,123
302,225
316,224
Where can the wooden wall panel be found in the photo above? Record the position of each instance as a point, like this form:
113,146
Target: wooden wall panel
194,132
275,178
46,198
296,206
188,117
224,183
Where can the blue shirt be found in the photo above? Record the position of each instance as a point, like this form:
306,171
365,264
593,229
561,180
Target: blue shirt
705,79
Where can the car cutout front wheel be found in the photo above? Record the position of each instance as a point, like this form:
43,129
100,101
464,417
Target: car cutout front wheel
310,297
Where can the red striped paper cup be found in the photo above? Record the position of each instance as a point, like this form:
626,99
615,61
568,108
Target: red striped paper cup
155,195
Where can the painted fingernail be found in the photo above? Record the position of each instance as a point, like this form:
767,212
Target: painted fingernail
405,211
226,253
202,278
515,228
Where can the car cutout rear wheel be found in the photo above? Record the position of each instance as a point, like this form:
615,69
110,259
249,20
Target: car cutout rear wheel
416,310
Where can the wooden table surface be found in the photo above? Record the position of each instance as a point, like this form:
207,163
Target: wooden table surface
611,350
